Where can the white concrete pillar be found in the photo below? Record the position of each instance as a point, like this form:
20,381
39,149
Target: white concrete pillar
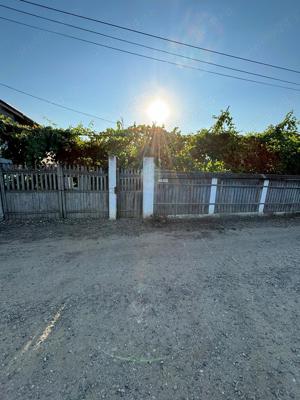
212,197
263,196
148,186
112,185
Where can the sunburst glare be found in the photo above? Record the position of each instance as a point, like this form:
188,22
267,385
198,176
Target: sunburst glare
158,111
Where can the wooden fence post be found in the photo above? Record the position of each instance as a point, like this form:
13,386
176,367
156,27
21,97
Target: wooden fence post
112,187
263,196
61,194
3,205
148,186
213,195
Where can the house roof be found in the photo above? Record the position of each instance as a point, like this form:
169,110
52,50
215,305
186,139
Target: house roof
18,115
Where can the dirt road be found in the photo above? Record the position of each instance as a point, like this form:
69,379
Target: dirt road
179,310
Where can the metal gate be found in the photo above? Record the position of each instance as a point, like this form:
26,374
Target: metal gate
129,193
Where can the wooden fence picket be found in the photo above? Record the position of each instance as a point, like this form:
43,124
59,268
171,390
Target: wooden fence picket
81,191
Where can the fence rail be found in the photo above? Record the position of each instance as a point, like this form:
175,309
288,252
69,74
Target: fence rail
60,191
190,193
130,195
77,191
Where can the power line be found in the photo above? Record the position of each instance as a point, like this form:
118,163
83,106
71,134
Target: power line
150,57
56,104
160,37
148,47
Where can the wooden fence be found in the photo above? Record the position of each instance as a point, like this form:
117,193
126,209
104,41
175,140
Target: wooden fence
190,194
78,191
85,192
129,193
181,193
54,192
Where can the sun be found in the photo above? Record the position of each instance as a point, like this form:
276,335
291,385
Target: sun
158,111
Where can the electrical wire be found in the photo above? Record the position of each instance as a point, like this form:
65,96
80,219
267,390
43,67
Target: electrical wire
150,57
55,104
159,37
148,47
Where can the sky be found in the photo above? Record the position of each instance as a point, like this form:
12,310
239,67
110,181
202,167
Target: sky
115,85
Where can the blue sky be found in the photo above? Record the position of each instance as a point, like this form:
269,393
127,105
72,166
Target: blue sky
114,85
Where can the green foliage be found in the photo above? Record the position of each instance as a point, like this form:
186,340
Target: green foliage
283,140
30,145
224,123
220,148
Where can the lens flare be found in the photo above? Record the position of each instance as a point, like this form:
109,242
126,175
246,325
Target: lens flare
158,111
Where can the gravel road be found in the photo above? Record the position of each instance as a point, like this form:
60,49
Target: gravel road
156,310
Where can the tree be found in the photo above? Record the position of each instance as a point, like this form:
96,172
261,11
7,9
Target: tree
219,148
30,145
255,156
283,140
224,123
